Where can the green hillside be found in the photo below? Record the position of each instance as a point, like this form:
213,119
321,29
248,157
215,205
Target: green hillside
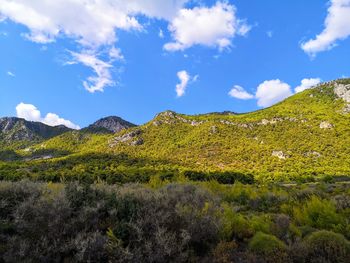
305,136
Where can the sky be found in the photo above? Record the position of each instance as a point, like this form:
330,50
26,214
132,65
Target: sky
72,62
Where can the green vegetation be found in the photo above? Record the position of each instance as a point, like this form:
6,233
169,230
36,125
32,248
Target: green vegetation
281,143
178,222
267,186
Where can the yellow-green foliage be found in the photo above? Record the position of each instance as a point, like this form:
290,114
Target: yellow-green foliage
241,143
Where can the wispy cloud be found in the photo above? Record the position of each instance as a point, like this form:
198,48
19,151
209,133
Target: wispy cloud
11,74
185,79
102,70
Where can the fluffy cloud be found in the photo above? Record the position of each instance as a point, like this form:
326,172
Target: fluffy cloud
239,93
213,27
184,79
307,83
272,91
30,113
336,28
92,24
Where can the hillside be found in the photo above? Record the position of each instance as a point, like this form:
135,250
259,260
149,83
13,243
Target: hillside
306,135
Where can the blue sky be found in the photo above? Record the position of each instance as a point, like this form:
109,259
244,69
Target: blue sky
135,60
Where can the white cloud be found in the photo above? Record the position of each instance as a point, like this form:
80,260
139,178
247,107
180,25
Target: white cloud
116,54
307,83
185,79
239,93
272,91
30,113
161,33
213,27
11,74
92,24
103,77
336,28
89,22
269,34
95,24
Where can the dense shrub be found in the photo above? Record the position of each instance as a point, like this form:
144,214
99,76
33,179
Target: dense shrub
173,222
269,248
323,247
320,214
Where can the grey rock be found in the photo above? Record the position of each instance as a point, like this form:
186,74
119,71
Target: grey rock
279,154
131,138
110,124
326,125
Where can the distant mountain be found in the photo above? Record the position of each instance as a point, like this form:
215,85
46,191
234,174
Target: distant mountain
111,124
307,134
15,130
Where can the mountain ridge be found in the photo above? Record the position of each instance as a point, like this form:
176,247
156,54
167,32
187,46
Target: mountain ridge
305,135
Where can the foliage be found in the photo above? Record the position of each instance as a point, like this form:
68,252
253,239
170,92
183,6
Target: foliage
324,246
269,247
171,222
226,148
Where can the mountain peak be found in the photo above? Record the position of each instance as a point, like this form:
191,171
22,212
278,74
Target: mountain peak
110,124
17,129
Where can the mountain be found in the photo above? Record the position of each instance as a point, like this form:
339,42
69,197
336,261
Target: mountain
110,124
305,136
16,130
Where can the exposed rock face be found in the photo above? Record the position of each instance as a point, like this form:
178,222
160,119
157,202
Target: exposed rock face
131,138
281,155
110,124
326,125
343,92
16,129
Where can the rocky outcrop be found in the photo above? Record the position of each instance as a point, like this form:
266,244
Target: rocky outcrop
343,91
131,138
326,125
272,121
110,124
279,154
170,117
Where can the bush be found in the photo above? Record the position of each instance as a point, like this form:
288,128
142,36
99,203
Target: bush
320,214
269,248
225,252
323,247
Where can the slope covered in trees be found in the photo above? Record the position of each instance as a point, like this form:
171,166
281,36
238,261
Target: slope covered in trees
305,136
